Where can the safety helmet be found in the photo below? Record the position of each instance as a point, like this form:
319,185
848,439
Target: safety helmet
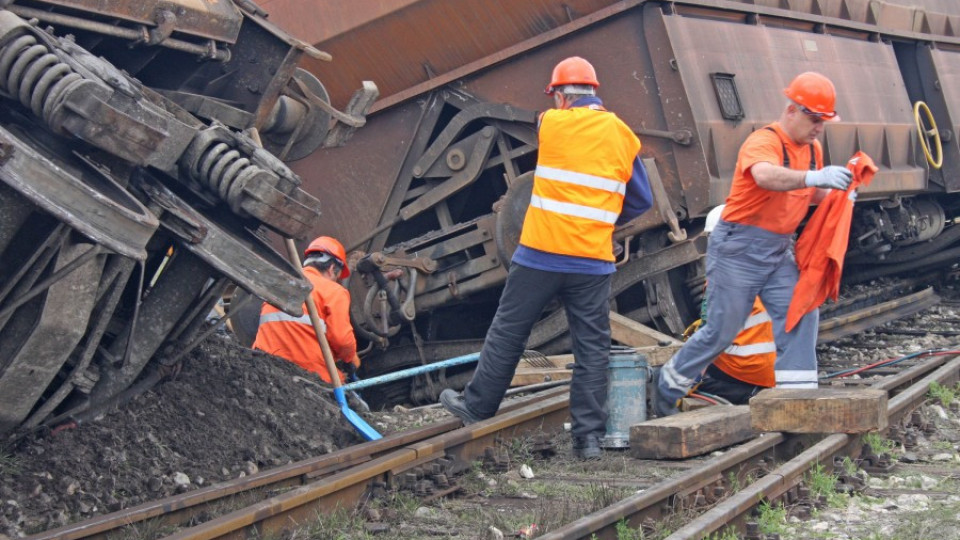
815,95
329,246
573,70
712,219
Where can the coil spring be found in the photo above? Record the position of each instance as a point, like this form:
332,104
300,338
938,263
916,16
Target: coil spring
34,75
224,170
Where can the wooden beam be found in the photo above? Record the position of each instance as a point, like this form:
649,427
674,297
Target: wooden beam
543,369
821,410
658,355
691,433
633,334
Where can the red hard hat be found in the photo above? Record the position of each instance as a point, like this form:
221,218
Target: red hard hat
573,70
815,94
331,246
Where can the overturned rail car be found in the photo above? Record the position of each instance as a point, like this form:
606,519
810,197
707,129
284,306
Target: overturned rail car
142,149
432,192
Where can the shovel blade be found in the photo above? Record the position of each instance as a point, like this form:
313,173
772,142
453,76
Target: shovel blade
361,425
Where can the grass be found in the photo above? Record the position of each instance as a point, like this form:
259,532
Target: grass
878,445
849,466
9,465
824,483
625,532
944,394
772,518
727,534
144,530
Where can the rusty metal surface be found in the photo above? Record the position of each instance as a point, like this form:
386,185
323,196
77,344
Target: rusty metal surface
393,191
408,42
401,43
208,19
872,97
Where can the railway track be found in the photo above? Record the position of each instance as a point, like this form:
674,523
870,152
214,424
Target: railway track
428,463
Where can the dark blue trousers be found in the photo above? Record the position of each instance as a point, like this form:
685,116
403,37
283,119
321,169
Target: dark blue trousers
586,299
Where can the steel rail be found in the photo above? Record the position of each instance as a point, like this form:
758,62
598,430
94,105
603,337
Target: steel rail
603,524
791,473
875,315
340,478
346,489
178,510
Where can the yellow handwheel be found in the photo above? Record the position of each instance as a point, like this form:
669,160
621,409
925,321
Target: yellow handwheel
927,134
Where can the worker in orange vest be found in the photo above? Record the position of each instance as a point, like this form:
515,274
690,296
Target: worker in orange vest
747,365
294,338
778,175
588,179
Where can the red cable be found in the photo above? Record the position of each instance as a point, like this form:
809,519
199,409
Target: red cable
704,398
889,360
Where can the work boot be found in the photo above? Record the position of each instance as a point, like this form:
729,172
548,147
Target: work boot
587,448
453,401
664,407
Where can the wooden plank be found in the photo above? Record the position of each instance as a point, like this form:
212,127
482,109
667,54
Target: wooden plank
536,370
691,433
523,377
658,355
633,334
821,410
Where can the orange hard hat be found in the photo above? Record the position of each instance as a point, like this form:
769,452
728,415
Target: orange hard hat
573,70
815,95
331,246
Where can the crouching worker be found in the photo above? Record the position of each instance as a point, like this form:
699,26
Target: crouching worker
293,338
747,365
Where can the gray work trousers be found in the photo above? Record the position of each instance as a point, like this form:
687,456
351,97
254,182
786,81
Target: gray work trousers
586,299
743,262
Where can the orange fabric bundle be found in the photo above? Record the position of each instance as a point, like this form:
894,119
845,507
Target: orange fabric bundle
823,244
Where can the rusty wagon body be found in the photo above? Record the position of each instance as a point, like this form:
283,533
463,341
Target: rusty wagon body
152,152
436,183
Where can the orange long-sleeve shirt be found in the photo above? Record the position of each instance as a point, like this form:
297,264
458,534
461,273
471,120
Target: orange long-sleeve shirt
294,338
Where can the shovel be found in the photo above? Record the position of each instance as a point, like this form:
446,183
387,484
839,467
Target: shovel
365,429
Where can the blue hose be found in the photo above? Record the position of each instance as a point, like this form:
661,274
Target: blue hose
404,373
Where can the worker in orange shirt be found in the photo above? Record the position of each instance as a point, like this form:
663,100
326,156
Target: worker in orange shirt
747,365
293,338
778,175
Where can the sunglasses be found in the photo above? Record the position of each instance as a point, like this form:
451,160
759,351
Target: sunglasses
818,115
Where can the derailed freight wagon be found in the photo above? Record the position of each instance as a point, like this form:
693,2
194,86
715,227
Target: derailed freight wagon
133,188
432,192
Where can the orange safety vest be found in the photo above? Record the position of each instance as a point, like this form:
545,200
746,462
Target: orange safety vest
779,212
585,161
294,338
752,355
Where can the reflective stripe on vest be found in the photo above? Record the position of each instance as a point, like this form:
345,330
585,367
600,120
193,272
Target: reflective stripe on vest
585,160
752,349
575,210
581,179
753,353
280,316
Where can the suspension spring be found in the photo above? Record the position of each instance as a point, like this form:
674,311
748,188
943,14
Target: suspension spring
35,76
225,171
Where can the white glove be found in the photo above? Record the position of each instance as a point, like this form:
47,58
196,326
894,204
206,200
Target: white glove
831,176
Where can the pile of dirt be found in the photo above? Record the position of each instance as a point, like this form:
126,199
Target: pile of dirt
228,413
